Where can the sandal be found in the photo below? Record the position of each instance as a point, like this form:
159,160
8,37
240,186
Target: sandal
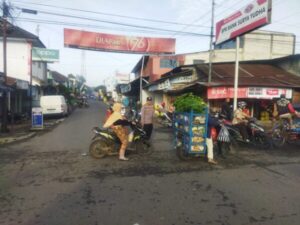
212,161
123,159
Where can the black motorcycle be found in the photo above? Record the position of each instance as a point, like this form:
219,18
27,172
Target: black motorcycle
257,136
105,142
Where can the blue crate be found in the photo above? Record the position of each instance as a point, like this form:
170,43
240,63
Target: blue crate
192,129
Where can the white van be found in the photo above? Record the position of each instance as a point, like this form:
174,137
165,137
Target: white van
54,105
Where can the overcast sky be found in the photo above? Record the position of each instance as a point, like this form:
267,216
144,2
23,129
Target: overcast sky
100,66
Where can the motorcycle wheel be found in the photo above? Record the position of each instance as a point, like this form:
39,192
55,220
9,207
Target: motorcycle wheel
181,154
262,141
143,148
278,136
225,147
99,148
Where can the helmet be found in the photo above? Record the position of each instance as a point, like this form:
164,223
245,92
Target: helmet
242,104
149,99
282,96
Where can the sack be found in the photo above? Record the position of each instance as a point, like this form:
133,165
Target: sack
223,135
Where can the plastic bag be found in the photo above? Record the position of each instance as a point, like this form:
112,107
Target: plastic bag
223,135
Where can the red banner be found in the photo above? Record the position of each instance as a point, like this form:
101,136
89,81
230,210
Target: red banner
248,92
117,43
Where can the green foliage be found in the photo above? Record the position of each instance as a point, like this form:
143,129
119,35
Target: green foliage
188,102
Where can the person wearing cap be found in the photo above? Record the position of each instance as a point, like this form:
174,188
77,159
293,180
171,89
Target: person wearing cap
147,113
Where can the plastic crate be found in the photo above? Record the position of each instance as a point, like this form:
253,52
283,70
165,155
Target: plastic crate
190,130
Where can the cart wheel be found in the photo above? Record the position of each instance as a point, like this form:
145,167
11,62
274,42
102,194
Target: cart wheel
182,155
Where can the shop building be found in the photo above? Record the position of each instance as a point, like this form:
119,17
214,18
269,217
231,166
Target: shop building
260,82
20,67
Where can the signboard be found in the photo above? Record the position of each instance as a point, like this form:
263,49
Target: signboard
117,43
125,88
37,118
161,86
45,55
249,92
183,79
254,15
122,77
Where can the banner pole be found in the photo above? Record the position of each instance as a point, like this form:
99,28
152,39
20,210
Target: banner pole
141,80
236,74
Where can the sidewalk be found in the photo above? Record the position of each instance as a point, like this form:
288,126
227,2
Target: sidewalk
23,131
17,132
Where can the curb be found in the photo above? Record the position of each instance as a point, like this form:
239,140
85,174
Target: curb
10,140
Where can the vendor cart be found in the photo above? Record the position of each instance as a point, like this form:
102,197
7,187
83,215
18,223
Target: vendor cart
190,133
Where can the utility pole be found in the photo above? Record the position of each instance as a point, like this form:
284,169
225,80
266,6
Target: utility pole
211,40
5,9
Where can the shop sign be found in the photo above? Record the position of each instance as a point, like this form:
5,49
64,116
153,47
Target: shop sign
183,79
117,43
45,55
161,86
125,88
164,85
268,93
254,15
250,92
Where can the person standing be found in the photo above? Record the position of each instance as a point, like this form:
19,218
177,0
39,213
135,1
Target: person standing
226,110
147,114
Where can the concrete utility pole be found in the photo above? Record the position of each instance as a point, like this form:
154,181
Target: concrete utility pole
211,40
5,9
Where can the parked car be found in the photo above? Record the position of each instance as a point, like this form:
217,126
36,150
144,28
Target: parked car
54,105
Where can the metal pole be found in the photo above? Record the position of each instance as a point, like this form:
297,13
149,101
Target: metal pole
141,80
211,41
4,96
236,74
30,84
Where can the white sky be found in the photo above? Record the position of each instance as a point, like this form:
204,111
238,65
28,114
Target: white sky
101,66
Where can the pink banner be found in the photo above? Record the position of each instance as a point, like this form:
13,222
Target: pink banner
117,43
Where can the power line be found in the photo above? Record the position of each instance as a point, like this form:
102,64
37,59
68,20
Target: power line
115,23
52,22
114,15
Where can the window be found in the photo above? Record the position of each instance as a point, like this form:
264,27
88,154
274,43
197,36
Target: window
230,44
168,63
198,61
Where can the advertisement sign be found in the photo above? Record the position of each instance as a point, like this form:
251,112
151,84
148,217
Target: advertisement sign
254,15
117,43
45,55
37,118
250,92
122,77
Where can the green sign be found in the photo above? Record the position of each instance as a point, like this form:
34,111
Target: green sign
45,55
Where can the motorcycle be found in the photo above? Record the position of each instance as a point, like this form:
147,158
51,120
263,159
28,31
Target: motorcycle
106,143
282,133
257,136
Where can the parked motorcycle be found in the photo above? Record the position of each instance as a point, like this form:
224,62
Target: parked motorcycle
105,142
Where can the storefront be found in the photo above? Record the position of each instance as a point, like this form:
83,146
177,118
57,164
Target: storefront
259,99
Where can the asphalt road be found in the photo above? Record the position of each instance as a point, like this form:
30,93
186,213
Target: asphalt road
50,180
